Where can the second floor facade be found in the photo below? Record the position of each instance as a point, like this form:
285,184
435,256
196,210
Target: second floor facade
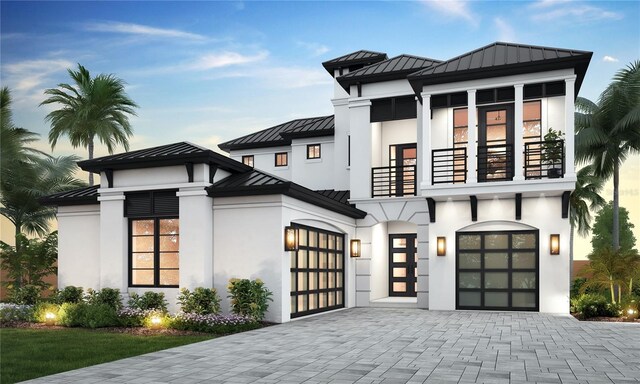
499,119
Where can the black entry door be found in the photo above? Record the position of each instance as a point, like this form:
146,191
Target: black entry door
403,259
404,158
495,143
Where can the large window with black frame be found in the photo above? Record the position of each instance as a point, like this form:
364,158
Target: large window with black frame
154,238
317,271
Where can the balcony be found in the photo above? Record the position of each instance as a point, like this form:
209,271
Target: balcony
542,160
393,181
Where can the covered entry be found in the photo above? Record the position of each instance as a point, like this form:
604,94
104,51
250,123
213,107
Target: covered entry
317,271
497,270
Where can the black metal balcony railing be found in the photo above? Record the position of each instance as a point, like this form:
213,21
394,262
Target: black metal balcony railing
449,165
393,181
544,159
495,163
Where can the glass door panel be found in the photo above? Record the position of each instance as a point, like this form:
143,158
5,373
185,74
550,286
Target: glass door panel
403,265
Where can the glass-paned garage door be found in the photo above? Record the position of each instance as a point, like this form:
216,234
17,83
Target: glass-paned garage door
317,272
497,270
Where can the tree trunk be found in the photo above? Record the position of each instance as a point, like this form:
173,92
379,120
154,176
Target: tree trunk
18,282
571,258
90,146
613,295
616,208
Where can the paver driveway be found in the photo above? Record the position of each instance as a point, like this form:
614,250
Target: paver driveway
394,346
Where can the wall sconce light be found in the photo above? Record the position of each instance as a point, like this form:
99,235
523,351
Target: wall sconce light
355,246
554,244
442,246
290,238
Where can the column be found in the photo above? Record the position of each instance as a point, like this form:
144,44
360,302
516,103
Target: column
518,142
423,265
425,142
360,127
196,238
420,154
569,127
363,268
472,137
114,242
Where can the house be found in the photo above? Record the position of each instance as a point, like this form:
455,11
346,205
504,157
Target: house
432,185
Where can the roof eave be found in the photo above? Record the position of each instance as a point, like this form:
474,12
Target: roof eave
206,158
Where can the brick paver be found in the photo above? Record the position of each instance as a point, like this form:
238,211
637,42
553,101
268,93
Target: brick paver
366,345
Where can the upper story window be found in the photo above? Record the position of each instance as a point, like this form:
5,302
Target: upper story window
282,159
460,128
247,160
532,121
313,151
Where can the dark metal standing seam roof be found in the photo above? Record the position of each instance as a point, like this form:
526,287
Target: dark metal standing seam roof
502,59
257,182
281,134
355,58
81,196
392,69
164,155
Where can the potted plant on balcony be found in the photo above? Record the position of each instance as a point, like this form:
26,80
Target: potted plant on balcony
552,150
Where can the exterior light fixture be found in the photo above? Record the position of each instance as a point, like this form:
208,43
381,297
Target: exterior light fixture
442,246
554,244
356,248
632,313
49,318
290,238
155,322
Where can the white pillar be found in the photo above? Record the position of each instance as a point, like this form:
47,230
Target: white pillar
425,143
423,265
363,267
114,242
196,238
472,146
518,141
360,127
569,127
420,154
341,144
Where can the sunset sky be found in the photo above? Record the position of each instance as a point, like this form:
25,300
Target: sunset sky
207,72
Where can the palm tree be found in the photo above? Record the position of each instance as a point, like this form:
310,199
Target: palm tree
95,108
609,131
606,269
584,198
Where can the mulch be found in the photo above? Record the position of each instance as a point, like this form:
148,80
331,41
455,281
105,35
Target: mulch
607,319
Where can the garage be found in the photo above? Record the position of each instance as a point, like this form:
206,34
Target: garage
497,270
317,271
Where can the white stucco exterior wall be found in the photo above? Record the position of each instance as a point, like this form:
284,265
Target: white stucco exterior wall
542,213
79,246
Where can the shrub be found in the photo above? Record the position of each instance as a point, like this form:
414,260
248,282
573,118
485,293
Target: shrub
15,313
69,294
132,317
71,314
249,298
148,300
590,305
202,301
211,323
25,295
99,316
107,296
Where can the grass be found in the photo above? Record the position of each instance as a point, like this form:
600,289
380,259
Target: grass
29,353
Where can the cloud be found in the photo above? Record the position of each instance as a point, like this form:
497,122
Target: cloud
573,12
141,30
316,49
506,32
280,77
610,59
225,59
27,78
549,3
453,8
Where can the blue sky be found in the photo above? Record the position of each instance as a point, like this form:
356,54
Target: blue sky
212,71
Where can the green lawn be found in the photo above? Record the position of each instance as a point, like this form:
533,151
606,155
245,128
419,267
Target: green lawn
30,353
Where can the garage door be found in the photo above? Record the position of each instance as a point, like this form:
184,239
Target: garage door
317,272
497,270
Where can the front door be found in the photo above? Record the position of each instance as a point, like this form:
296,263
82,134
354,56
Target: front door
403,259
404,158
495,143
